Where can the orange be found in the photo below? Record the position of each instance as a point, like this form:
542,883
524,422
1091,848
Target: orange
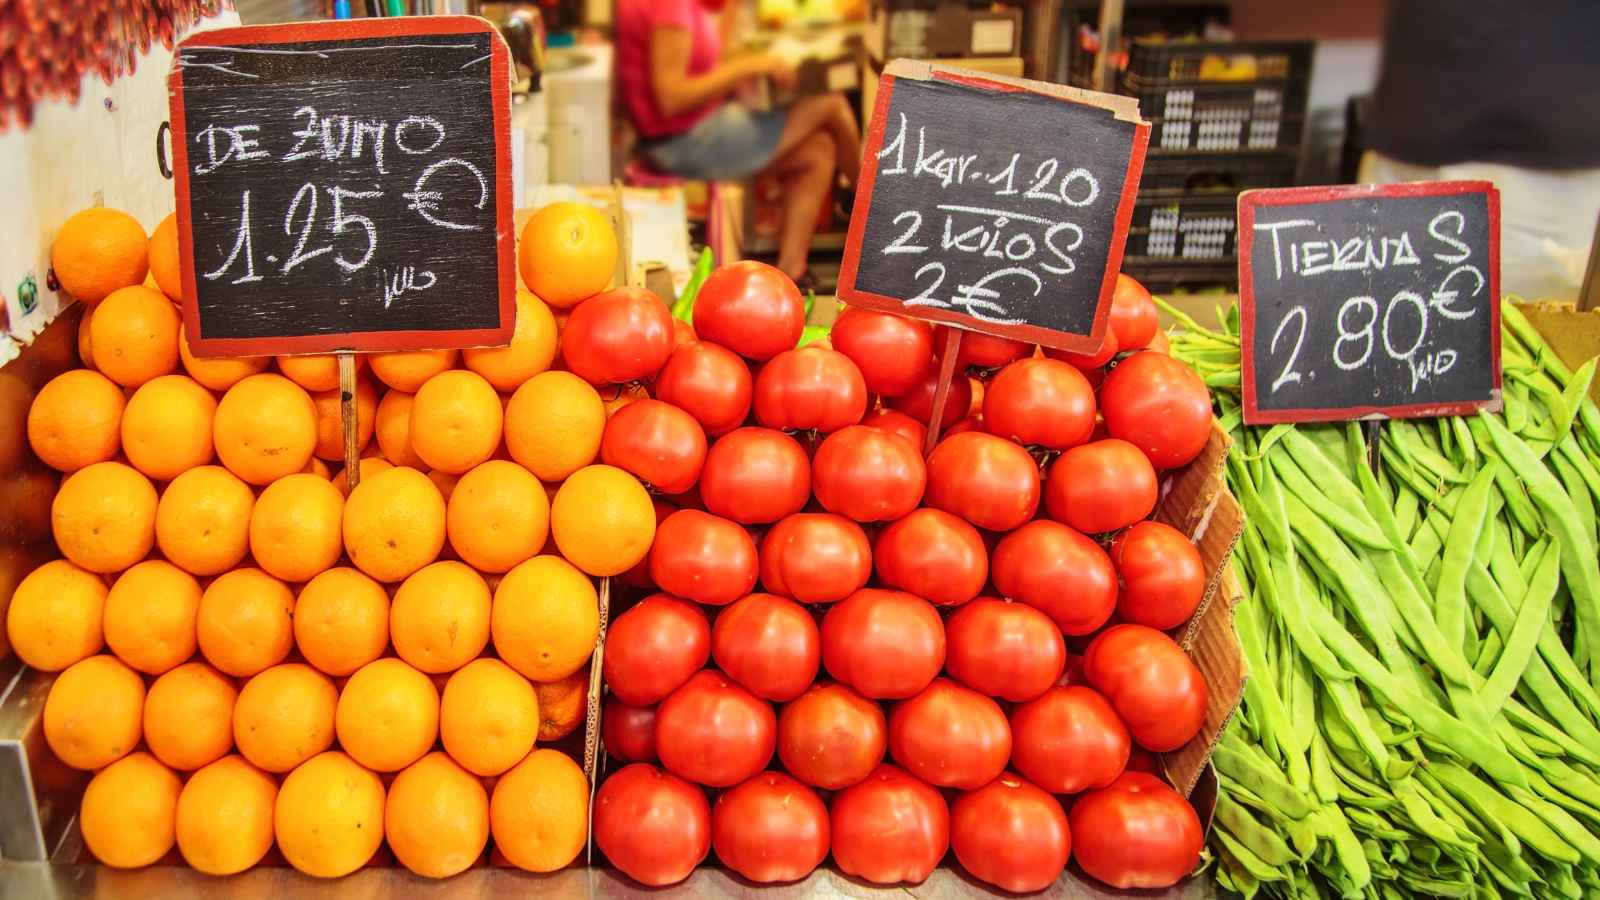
394,523
436,817
562,705
370,466
218,373
244,625
188,716
75,420
393,429
316,371
539,813
341,621
318,468
488,717
388,715
224,818
439,620
546,618
603,520
166,427
330,421
445,482
104,517
284,716
295,529
92,713
265,428
86,339
55,615
553,424
408,370
164,258
329,816
203,520
97,251
135,336
532,348
618,395
455,421
568,252
150,614
129,812
497,516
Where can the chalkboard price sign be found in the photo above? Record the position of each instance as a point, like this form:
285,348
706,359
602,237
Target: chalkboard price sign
997,204
1369,301
344,186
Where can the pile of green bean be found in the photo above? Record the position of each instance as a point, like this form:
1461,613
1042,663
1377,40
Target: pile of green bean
1423,644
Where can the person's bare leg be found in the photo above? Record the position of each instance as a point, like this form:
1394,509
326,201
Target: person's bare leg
830,113
807,174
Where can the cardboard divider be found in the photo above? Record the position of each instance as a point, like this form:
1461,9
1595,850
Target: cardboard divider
591,714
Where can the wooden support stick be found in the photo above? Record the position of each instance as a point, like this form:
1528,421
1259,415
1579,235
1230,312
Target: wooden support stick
1374,429
347,418
941,393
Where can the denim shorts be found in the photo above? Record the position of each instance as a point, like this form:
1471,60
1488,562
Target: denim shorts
731,142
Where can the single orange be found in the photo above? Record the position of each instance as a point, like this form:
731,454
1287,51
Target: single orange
539,813
341,621
165,265
455,421
532,348
408,370
436,817
203,520
439,620
98,251
394,524
329,816
318,468
330,419
244,624
188,716
370,466
135,336
567,253
388,715
76,420
218,373
265,428
296,527
284,716
603,520
316,371
104,517
488,717
563,705
546,618
129,812
224,817
93,713
166,427
150,616
553,424
86,338
497,516
55,614
393,429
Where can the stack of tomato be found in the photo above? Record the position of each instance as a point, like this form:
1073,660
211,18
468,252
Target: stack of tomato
906,680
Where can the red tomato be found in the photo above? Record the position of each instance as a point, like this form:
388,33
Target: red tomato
751,308
682,333
831,737
653,648
970,423
1137,833
810,389
700,557
629,731
1142,760
653,826
768,644
1163,576
755,475
986,351
1040,401
1101,486
657,443
950,736
934,555
1088,361
618,336
892,351
1059,572
896,422
709,382
989,481
1133,314
815,558
885,644
714,732
1069,740
868,474
890,828
1011,834
770,829
1153,685
918,401
1159,405
1159,343
1002,649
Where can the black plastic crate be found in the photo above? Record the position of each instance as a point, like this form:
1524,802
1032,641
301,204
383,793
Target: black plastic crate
1162,275
1200,227
1230,173
1220,96
1080,20
1158,62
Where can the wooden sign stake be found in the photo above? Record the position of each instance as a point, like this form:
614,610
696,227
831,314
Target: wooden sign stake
347,418
947,371
1374,434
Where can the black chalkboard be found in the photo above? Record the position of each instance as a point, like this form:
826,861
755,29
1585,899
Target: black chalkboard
344,186
1000,205
1369,301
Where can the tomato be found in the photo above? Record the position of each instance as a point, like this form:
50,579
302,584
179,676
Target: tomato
892,351
1142,760
868,474
653,648
770,829
657,443
629,731
1137,833
1153,685
950,736
989,481
708,382
831,737
1002,649
682,333
1040,401
653,826
896,422
933,555
970,423
755,475
918,401
986,351
618,336
1133,314
1059,572
1069,740
890,828
700,557
1011,834
815,558
1101,486
810,389
1088,361
1159,405
1159,343
751,308
885,644
1163,576
714,732
769,645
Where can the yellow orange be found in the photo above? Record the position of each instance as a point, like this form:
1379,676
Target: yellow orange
545,619
532,348
497,516
218,373
553,424
439,620
329,816
92,715
316,371
203,520
104,517
166,427
408,370
54,619
455,421
135,336
393,429
539,813
394,524
284,716
318,468
244,624
188,716
603,520
388,715
330,422
165,265
488,717
150,616
86,338
224,817
436,817
562,705
265,428
369,466
296,527
567,252
129,812
341,621
76,420
98,251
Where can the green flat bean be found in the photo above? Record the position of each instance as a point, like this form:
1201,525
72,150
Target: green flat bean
1488,653
1490,803
1450,595
1346,847
1464,442
1349,523
1522,641
1258,868
1578,491
1265,843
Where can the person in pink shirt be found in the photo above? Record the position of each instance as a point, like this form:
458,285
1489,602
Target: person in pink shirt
678,89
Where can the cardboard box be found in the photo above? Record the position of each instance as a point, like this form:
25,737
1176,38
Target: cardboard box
1573,333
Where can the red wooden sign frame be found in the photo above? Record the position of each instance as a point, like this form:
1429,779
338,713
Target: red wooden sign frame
1250,201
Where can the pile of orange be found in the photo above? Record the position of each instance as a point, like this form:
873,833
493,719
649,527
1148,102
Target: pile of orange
251,653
